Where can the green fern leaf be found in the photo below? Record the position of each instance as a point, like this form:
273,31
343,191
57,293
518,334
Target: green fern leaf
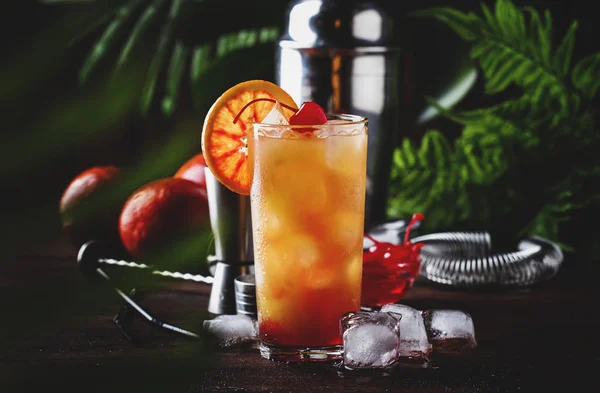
404,157
514,46
465,25
562,59
512,118
541,32
435,174
586,75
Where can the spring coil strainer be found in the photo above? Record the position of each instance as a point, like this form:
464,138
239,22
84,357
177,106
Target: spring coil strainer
465,259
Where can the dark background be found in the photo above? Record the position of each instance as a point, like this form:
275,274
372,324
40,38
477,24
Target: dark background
57,328
37,60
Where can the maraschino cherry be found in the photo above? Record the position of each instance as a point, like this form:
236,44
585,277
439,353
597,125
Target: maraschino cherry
309,113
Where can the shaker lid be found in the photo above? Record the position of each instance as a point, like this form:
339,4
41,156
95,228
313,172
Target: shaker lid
341,24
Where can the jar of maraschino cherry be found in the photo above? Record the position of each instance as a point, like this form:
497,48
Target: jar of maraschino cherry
389,270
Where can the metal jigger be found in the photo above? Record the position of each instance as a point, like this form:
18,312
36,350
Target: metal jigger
231,225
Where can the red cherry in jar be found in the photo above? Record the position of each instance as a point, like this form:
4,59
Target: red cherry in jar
389,270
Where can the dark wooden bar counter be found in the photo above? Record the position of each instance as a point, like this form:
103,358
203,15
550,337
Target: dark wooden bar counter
539,340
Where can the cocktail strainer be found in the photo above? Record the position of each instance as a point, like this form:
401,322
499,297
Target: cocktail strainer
466,259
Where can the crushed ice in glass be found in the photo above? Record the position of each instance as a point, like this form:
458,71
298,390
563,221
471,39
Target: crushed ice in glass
371,339
413,336
275,116
232,330
450,328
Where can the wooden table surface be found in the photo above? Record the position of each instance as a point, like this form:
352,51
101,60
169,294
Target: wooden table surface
58,333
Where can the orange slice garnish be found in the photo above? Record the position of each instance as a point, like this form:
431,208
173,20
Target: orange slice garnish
224,143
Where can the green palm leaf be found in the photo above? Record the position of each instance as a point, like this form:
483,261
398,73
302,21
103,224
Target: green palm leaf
162,50
143,24
113,32
176,69
174,53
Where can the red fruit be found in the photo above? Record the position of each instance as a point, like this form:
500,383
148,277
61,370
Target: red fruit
162,213
90,206
310,113
193,170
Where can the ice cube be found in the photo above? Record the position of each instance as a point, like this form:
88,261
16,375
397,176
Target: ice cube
371,340
414,343
232,330
347,229
269,224
449,329
275,116
323,277
346,156
293,179
299,250
354,271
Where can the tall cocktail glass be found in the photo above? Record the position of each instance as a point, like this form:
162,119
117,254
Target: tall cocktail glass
307,201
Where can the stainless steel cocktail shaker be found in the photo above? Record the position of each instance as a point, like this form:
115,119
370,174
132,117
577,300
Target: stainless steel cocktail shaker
346,56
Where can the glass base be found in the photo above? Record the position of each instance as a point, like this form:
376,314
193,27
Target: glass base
291,354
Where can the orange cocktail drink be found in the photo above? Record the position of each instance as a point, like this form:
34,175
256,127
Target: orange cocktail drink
308,195
306,183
